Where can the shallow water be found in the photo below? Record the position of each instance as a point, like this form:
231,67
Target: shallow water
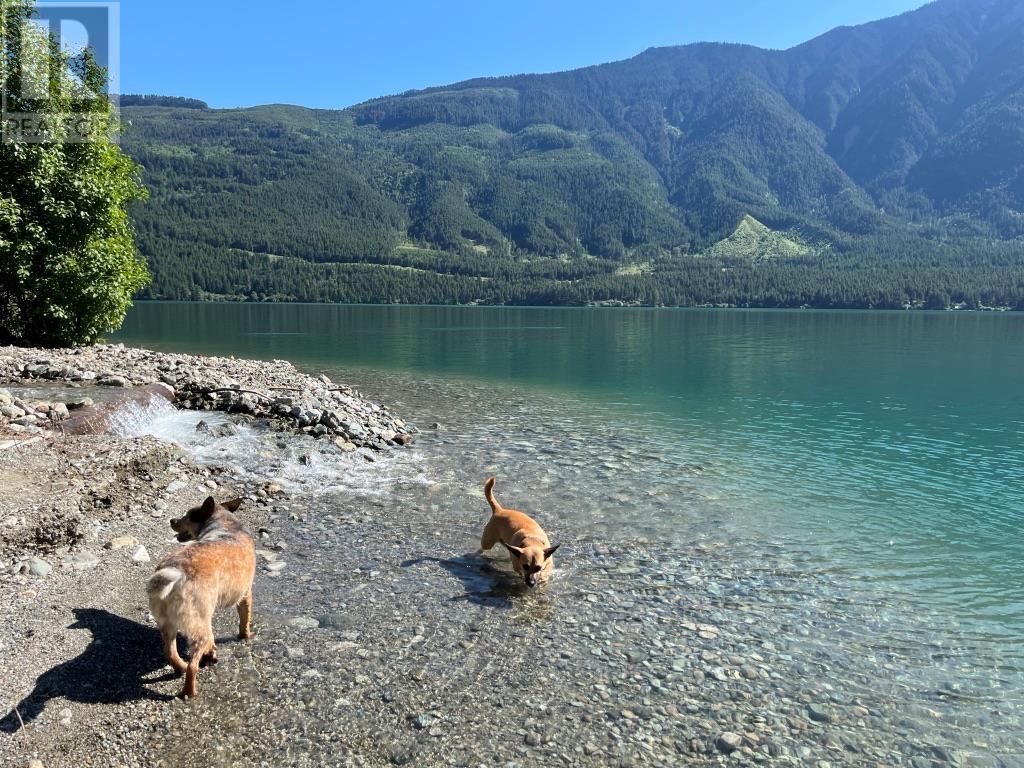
890,443
385,639
837,494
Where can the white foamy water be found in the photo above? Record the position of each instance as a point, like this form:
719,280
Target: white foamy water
256,451
160,419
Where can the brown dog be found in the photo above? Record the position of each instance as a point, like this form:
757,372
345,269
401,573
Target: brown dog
523,538
190,583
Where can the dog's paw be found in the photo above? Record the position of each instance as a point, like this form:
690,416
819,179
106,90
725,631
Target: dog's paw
245,634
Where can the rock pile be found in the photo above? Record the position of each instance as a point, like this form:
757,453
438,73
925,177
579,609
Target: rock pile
31,415
261,389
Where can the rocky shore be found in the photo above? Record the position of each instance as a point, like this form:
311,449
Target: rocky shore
275,390
383,639
84,515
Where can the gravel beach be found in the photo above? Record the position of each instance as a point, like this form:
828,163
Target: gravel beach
383,639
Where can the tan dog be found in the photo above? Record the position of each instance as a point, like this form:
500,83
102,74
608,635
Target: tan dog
523,538
190,583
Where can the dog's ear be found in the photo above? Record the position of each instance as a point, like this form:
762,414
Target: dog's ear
550,551
205,512
513,550
233,505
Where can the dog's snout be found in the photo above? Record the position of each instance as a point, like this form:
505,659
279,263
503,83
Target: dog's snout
531,579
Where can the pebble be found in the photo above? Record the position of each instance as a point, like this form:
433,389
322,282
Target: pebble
121,542
140,555
39,567
719,674
304,622
820,713
82,561
728,742
422,721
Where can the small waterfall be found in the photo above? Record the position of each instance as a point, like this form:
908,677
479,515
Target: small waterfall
255,450
158,418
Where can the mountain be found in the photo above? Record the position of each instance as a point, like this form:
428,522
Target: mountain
877,165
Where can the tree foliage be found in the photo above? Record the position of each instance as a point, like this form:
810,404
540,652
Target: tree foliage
68,261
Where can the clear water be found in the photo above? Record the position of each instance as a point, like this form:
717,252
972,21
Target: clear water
890,443
845,485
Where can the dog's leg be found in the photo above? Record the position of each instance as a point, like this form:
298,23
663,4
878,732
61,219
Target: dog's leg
490,536
197,650
210,657
245,617
170,636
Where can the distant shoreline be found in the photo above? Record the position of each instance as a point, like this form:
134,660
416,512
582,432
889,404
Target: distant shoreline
606,305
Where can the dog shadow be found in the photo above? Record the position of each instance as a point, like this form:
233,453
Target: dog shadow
121,656
483,583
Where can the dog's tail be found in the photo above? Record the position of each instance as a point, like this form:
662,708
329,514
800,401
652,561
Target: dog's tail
489,494
163,582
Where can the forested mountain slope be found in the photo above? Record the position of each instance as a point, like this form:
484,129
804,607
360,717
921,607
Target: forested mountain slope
879,165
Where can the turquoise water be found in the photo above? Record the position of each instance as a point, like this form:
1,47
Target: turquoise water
887,446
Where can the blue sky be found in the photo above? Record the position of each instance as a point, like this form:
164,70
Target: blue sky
333,54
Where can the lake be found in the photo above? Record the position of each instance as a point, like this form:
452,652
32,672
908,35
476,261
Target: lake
876,456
